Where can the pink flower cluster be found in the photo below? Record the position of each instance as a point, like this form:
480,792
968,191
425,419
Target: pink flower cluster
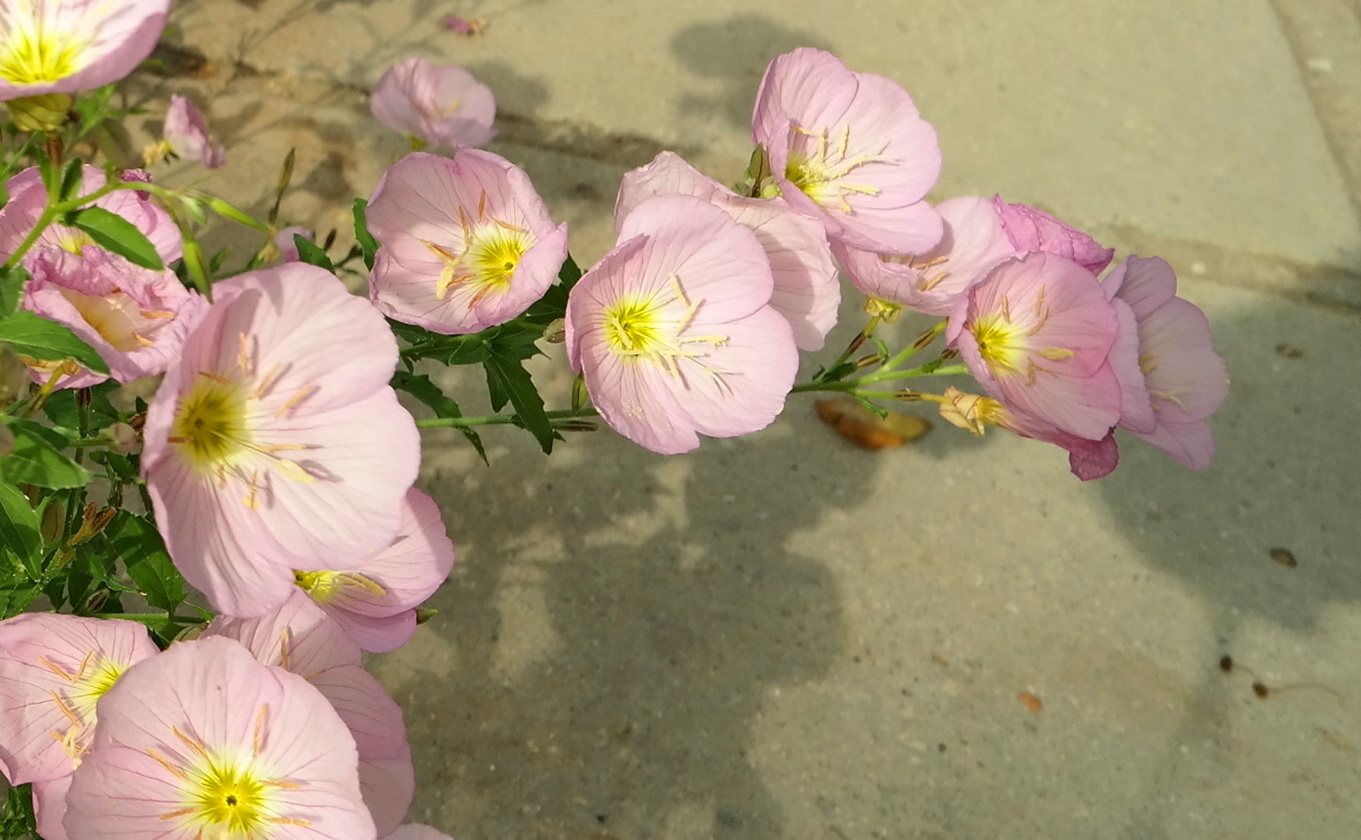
265,728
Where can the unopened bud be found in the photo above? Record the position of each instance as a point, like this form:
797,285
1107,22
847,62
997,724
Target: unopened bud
45,112
124,438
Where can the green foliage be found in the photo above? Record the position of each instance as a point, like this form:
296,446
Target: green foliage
423,389
367,244
115,233
20,534
36,457
137,543
30,335
508,381
312,253
12,282
17,820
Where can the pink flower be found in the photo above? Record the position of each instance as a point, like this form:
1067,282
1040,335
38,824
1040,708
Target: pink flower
374,602
267,450
49,807
67,46
187,134
1037,334
807,289
850,149
1181,378
53,670
937,281
288,247
299,637
135,318
440,107
673,330
204,741
466,242
1035,230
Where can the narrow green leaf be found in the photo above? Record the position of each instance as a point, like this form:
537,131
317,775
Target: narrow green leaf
30,335
36,458
19,527
312,253
507,380
137,542
422,388
115,233
367,243
12,282
17,597
71,179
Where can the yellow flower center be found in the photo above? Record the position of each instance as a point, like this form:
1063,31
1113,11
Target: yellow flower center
640,328
227,799
819,168
33,54
95,675
210,426
998,344
325,586
632,327
490,251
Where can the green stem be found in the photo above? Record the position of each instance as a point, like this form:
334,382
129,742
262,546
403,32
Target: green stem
924,370
150,618
498,419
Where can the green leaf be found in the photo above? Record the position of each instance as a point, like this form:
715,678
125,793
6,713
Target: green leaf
71,180
19,527
17,597
12,282
507,380
367,244
62,410
422,388
137,542
312,253
30,335
36,457
115,233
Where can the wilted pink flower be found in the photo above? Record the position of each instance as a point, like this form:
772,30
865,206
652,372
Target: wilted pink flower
1037,334
440,107
1035,230
134,317
807,289
937,281
1180,376
1087,459
417,831
299,637
466,242
67,46
53,669
266,450
673,330
849,148
187,134
374,602
204,741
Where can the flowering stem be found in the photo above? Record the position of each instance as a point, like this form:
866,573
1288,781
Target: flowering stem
498,419
151,618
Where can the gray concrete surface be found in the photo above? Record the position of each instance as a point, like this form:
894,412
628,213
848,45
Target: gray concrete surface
787,637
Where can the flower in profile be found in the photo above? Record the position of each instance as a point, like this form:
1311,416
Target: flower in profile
466,242
204,741
850,149
186,135
266,450
53,670
1037,334
439,107
299,637
67,46
1030,229
1182,378
807,288
673,330
375,601
937,281
135,318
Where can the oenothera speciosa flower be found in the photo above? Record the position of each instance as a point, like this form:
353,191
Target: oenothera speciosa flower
66,46
53,671
1176,380
673,329
186,135
936,281
1030,229
440,107
807,289
135,318
466,242
299,637
850,149
274,443
374,601
204,741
